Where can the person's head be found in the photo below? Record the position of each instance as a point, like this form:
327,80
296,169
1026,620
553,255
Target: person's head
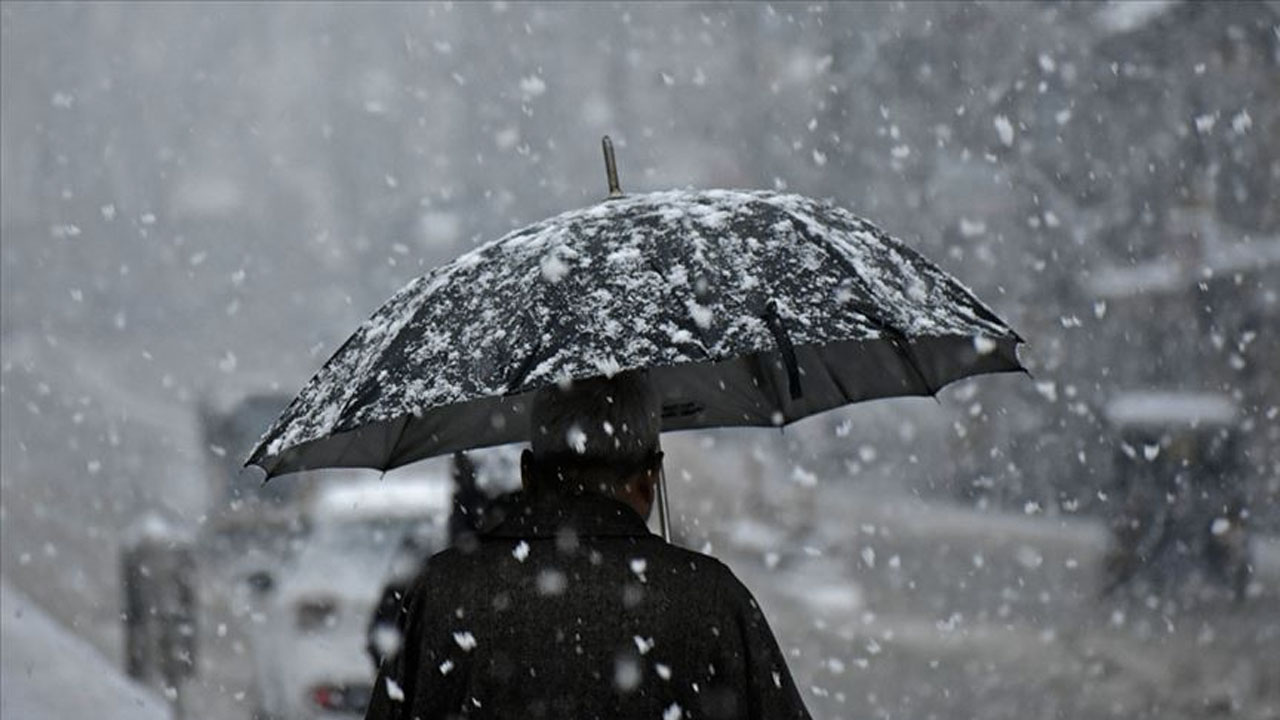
597,435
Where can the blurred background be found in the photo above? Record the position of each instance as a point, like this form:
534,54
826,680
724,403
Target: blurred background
201,201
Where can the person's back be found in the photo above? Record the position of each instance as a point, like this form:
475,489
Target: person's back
570,608
575,610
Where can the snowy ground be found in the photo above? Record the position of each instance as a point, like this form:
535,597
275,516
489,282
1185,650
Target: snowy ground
49,672
896,608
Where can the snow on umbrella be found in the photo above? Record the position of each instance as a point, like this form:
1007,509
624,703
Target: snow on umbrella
747,307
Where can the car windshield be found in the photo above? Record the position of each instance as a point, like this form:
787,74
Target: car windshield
363,538
365,547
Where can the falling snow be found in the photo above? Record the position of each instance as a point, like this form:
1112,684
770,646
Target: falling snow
191,229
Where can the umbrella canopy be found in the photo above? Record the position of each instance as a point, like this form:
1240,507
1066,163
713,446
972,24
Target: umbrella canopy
748,308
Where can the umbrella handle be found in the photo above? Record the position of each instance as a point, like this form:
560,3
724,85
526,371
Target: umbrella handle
664,510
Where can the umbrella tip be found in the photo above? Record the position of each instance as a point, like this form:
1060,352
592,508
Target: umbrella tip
611,168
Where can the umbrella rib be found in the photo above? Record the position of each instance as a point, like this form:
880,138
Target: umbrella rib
897,338
835,379
346,447
694,330
394,455
763,379
903,348
956,292
785,348
522,371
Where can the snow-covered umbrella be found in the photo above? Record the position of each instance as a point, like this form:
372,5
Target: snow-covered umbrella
748,308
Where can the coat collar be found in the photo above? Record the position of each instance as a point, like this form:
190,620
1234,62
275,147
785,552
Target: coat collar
585,514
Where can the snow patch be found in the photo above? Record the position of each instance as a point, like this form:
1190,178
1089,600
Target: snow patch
644,645
465,640
532,86
1004,129
553,268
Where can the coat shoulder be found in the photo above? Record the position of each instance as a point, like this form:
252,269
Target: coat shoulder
448,563
710,570
692,558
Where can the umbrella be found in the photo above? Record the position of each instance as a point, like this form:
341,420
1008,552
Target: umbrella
748,308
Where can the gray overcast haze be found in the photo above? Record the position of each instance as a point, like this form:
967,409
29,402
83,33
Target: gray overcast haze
201,201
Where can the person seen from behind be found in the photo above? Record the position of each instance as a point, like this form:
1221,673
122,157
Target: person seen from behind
569,607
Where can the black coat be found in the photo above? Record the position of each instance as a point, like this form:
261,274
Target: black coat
571,608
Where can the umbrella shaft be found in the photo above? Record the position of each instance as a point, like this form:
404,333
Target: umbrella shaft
664,510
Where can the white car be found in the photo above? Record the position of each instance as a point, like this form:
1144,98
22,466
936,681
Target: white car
310,648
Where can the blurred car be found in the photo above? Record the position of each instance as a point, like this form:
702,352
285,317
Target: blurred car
310,648
1180,518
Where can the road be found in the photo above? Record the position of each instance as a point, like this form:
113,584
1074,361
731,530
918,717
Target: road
896,608
47,671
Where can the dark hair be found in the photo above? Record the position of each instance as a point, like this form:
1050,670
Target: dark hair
596,431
